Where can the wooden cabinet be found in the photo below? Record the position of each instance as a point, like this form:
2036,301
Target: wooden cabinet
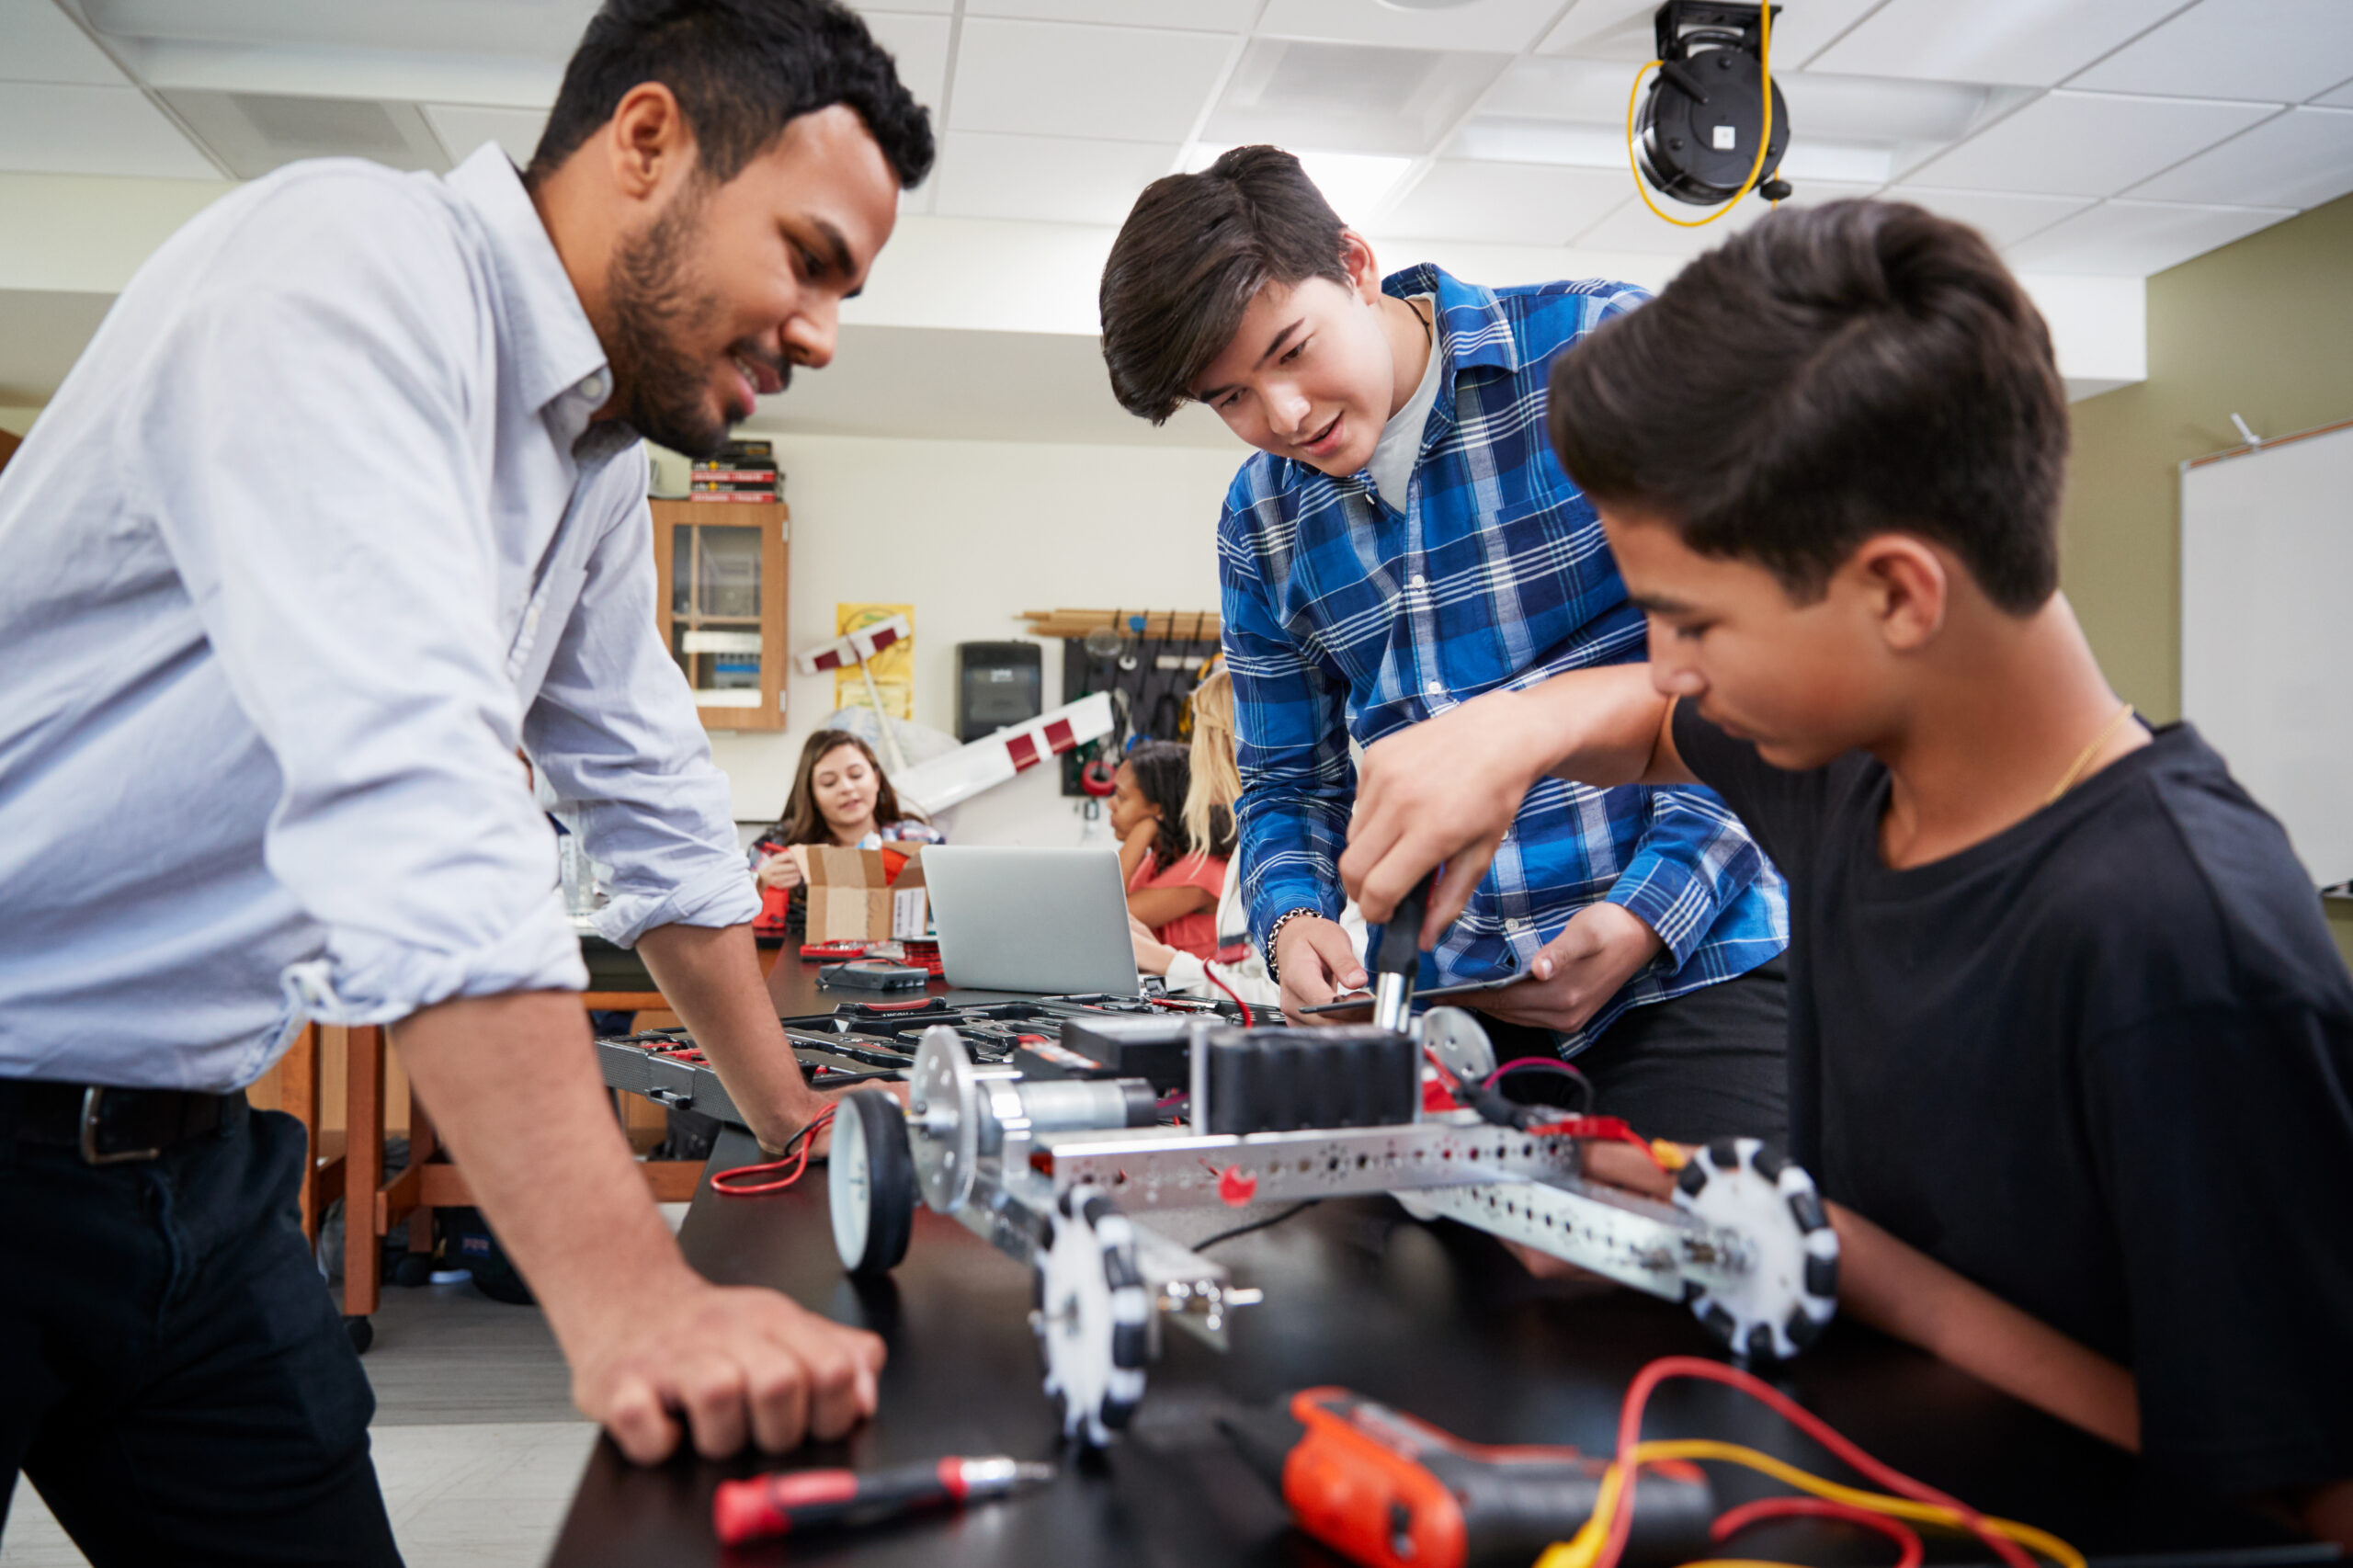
723,581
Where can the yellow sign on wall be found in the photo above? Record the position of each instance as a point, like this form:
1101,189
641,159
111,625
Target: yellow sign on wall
893,668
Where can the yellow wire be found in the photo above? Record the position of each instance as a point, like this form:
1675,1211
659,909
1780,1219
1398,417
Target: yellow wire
1580,1550
1765,140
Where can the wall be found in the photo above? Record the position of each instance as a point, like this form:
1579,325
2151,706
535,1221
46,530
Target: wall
971,533
2259,328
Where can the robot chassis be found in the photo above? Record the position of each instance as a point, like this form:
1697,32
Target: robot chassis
1050,1171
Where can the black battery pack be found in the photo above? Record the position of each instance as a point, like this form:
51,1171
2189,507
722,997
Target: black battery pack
1278,1080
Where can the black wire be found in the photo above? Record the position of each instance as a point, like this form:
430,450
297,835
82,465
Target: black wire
1584,1085
1256,1224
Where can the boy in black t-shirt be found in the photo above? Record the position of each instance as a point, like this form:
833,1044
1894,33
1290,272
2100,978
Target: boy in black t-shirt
2071,1051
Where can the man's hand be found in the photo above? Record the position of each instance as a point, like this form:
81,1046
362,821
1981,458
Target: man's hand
512,1086
735,1363
1317,963
1445,789
1604,945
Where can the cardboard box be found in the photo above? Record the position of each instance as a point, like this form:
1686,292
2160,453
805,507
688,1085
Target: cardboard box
850,902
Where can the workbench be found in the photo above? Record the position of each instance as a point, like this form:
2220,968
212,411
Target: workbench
1435,1319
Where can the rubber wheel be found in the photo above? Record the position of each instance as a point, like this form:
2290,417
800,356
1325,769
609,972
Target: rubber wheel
881,1181
362,1332
413,1269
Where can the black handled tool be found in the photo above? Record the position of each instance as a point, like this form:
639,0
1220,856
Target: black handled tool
1399,956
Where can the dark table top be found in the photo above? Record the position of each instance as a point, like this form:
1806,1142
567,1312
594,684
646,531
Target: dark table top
1432,1319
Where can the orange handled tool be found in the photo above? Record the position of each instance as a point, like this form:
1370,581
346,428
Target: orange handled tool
799,1499
1390,1492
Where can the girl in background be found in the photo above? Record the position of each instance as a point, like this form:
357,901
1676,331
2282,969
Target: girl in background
1214,785
1173,876
840,795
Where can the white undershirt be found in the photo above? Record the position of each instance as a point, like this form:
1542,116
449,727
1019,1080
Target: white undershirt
1401,438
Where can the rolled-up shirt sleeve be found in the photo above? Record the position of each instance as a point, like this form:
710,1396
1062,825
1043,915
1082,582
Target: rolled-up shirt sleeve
342,568
615,734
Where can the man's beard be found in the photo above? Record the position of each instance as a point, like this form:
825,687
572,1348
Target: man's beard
655,303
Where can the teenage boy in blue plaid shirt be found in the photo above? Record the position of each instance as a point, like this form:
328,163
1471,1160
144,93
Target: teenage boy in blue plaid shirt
1404,541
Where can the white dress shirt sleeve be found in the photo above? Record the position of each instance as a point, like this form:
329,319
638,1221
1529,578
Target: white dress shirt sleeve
325,508
616,736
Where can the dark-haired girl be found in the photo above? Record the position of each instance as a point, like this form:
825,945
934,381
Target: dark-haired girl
1173,880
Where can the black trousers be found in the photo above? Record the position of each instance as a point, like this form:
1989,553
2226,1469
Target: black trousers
1709,1064
173,1376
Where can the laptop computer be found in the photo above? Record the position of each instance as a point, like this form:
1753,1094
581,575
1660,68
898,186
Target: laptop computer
1053,921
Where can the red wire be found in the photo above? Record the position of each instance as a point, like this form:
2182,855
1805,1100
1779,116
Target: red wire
1734,1521
798,1158
1247,1020
1629,1432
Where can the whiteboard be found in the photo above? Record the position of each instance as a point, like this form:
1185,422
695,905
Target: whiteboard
2267,630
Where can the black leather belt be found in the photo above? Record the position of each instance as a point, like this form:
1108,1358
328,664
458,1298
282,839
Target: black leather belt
109,1125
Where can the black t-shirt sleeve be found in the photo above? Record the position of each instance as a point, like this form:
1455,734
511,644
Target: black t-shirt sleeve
1781,810
2236,1234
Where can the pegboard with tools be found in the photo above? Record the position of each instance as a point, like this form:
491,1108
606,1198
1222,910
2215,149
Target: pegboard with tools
1149,660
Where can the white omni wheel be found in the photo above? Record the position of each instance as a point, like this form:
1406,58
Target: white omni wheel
870,1183
1093,1316
1787,1295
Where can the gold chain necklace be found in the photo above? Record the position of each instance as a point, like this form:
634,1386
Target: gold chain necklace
2090,752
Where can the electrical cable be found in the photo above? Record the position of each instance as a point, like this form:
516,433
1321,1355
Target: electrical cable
1764,137
1295,1209
802,1142
1734,1521
1602,1541
1546,1064
1211,970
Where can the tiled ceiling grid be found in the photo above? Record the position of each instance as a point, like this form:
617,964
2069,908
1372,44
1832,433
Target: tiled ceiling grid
2108,137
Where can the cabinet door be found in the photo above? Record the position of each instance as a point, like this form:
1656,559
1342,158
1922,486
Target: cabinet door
722,586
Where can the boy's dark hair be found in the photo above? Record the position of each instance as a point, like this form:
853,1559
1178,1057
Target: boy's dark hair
1164,771
1832,373
741,70
1194,252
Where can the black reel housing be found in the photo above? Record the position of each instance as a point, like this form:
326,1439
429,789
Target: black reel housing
1696,136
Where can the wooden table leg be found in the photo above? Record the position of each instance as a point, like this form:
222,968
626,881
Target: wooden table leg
298,1087
363,1170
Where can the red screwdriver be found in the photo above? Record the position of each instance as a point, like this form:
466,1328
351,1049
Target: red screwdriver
797,1499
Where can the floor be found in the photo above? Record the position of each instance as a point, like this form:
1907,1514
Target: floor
477,1444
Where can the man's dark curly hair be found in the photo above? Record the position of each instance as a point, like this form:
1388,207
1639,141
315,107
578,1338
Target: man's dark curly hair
741,70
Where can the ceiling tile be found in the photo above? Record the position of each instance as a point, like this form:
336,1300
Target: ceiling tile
2284,50
1634,227
936,8
1591,92
2033,43
1054,179
1347,98
1059,79
2341,97
1205,15
39,43
462,128
1509,26
2003,217
2071,144
1517,204
2133,239
920,46
2301,159
1622,29
49,129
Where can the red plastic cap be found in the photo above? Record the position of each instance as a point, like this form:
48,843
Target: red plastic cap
740,1511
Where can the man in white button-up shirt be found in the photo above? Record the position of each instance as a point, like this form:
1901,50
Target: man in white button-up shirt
345,505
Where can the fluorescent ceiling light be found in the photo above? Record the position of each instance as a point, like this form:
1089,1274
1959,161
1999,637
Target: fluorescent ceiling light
1356,184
